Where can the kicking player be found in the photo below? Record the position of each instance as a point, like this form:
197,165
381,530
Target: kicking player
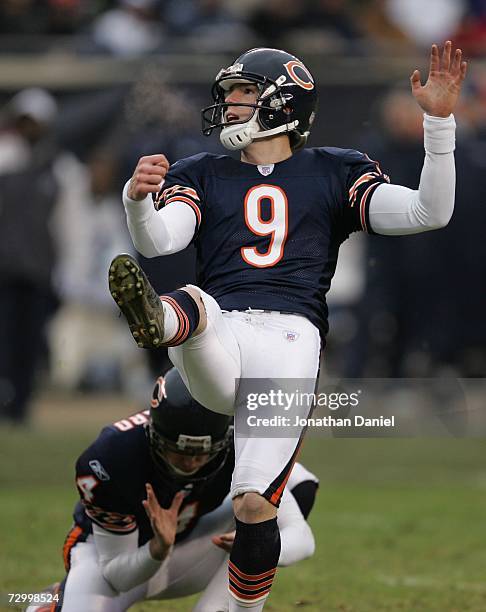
155,520
267,229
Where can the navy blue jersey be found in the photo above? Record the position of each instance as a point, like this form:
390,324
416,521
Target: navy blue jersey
268,237
111,476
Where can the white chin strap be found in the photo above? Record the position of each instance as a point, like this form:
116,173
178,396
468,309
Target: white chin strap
240,135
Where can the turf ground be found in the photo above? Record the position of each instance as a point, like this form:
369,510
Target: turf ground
399,524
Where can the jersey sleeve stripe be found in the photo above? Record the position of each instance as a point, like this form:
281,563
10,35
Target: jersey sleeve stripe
71,539
170,191
364,207
377,164
111,521
111,527
364,178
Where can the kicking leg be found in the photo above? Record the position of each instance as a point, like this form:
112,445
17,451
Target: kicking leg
189,321
154,321
209,362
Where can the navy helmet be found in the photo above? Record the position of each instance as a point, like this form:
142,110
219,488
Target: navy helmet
180,424
286,103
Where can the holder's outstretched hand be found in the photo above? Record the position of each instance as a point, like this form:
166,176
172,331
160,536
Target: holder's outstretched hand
163,522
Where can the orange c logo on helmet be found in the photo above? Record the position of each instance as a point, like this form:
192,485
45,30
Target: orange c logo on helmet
290,68
159,392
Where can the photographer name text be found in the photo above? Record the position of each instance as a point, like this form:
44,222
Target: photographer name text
326,421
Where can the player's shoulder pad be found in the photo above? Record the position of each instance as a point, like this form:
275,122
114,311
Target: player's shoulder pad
341,155
114,452
196,163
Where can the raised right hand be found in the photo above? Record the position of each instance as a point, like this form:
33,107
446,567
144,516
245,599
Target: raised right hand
148,176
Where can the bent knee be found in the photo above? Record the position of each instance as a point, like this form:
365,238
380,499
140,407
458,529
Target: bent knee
252,507
195,293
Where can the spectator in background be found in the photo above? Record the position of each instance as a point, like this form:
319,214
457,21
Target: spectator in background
66,16
21,17
473,108
132,29
273,21
29,191
318,24
210,23
424,22
332,26
38,17
422,319
160,118
344,355
471,33
380,30
89,347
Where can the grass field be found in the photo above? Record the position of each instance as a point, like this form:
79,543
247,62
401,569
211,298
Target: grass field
399,524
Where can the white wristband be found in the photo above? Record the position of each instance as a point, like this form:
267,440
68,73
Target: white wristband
439,134
141,209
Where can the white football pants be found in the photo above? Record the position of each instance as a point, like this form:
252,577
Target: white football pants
248,345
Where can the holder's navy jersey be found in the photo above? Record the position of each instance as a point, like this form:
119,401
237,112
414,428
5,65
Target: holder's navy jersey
111,476
268,237
112,472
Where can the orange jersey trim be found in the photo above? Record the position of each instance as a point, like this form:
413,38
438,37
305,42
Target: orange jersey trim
71,540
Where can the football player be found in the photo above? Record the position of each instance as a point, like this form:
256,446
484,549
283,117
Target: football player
267,229
155,520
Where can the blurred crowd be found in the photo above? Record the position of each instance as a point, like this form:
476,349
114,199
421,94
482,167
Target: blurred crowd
130,28
402,307
413,306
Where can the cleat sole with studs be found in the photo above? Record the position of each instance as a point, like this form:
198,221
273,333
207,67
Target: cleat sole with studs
137,300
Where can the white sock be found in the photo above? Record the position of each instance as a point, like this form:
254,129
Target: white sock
171,322
234,606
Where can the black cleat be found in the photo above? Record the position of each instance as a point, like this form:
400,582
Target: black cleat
137,300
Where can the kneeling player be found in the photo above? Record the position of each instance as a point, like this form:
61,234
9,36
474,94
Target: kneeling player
155,519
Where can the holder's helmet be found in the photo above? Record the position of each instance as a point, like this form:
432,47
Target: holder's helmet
181,425
286,102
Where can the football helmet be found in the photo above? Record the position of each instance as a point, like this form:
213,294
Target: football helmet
181,425
286,103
